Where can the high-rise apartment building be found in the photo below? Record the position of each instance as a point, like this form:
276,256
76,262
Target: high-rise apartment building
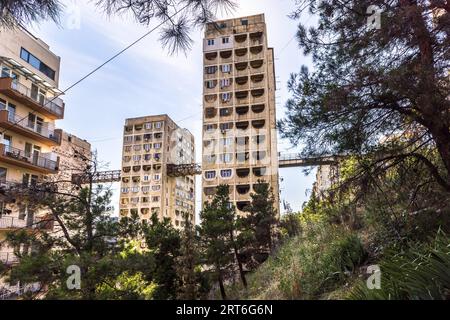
29,106
151,145
239,132
74,155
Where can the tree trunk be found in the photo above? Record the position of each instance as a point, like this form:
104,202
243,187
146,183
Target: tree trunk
236,254
222,287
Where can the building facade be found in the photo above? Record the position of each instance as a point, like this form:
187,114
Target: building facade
74,154
29,106
327,177
150,146
239,118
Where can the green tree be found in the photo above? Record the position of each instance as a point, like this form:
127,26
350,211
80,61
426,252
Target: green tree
188,263
262,216
163,241
217,235
19,12
76,230
381,93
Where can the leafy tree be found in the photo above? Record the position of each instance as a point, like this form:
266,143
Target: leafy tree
19,12
380,94
76,230
217,235
163,241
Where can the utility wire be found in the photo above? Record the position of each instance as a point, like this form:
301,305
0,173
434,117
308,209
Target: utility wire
100,66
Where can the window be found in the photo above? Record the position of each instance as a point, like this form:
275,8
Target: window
147,147
210,84
2,104
145,189
38,64
157,145
135,189
128,139
155,199
158,125
137,147
226,68
211,69
224,83
148,126
157,156
225,112
226,173
227,141
3,172
147,157
147,136
136,158
156,188
210,127
226,126
226,158
210,174
210,158
156,177
210,42
137,138
125,190
244,22
127,149
225,40
226,96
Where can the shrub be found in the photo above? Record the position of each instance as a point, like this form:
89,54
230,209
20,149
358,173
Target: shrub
420,272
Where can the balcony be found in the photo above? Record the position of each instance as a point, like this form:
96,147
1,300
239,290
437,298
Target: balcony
53,109
37,162
8,223
38,132
8,258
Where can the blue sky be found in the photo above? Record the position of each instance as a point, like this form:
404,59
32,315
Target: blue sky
146,80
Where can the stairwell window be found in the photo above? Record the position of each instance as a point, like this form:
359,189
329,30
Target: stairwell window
210,174
225,40
210,42
226,173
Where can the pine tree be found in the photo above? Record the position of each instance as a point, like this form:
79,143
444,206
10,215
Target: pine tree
261,218
217,234
377,91
188,261
163,240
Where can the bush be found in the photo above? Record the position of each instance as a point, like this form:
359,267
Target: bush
421,272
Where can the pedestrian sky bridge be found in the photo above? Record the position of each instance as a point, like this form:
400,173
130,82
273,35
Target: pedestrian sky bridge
288,160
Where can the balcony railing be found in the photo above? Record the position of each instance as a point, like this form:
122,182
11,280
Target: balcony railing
54,105
41,129
12,223
8,258
40,160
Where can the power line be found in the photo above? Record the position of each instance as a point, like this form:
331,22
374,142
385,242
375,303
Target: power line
100,66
